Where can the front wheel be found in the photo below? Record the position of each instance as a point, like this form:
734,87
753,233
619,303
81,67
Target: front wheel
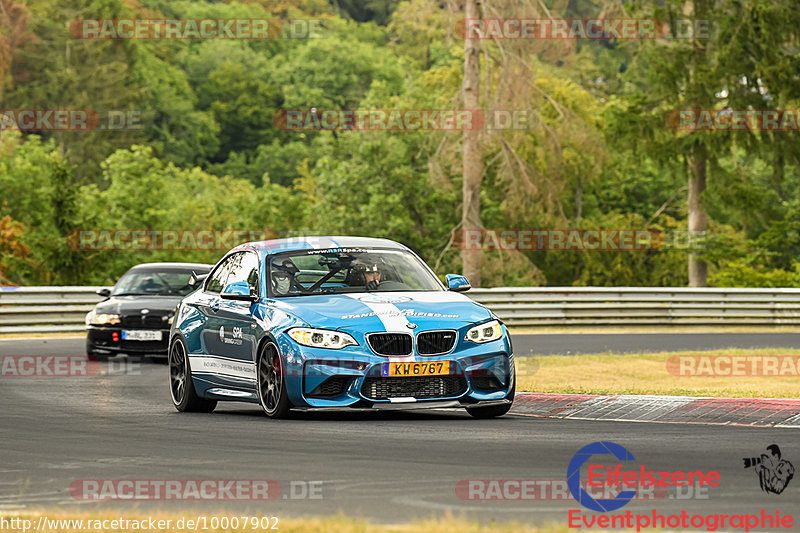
181,387
493,411
272,383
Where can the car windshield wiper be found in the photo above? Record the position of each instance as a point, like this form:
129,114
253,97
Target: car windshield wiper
131,294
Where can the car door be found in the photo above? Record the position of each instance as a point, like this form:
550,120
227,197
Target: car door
236,325
206,363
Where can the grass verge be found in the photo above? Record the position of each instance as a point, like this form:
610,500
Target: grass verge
649,374
18,336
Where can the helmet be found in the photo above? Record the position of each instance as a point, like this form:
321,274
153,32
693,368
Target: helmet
361,267
281,282
282,276
364,267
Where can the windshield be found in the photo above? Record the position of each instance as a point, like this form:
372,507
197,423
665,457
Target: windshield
348,271
154,283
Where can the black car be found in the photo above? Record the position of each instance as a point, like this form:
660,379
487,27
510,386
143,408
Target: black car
137,314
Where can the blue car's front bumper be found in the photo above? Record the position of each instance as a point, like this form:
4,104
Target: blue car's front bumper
352,377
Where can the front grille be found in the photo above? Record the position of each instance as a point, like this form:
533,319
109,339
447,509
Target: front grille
417,387
486,383
390,343
435,342
330,387
143,321
142,346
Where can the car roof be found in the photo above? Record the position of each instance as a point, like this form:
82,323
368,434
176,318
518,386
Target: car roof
172,266
291,244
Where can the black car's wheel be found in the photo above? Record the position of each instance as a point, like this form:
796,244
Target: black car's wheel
93,355
181,388
272,382
494,411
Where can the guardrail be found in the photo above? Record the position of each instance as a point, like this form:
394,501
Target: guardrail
62,309
641,306
45,309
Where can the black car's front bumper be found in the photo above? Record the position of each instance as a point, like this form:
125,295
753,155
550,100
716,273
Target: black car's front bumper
100,340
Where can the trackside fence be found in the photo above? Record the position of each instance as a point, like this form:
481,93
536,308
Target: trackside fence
45,309
62,309
641,306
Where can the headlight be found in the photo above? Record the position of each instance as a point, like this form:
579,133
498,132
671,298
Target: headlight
102,319
321,338
490,331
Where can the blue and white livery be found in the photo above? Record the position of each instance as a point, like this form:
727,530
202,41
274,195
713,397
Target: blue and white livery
336,322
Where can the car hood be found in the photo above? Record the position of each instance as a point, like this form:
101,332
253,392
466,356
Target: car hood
385,311
123,305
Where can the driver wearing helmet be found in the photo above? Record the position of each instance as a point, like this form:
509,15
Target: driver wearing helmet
372,275
369,273
282,277
281,282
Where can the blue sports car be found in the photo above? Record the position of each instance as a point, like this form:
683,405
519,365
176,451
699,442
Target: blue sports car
336,322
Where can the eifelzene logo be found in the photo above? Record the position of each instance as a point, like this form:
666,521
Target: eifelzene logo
602,475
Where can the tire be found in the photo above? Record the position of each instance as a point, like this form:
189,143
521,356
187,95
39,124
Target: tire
94,356
493,411
181,386
271,382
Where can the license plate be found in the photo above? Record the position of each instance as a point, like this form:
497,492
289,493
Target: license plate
437,368
141,335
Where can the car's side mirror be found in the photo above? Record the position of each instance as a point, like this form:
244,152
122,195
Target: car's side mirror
238,290
195,280
105,293
457,283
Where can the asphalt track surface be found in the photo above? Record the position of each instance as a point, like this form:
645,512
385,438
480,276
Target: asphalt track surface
387,466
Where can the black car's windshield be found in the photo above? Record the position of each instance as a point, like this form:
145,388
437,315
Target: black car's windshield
154,283
348,270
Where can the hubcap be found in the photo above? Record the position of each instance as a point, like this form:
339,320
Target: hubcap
177,372
270,379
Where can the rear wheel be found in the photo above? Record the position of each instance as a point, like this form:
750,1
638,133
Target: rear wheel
493,411
272,383
181,387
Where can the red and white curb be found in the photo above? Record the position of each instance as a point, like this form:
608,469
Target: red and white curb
756,412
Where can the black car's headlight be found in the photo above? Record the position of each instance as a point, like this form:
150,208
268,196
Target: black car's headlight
488,331
102,319
321,338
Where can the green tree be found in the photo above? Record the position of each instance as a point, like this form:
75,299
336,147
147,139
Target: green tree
57,71
740,64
